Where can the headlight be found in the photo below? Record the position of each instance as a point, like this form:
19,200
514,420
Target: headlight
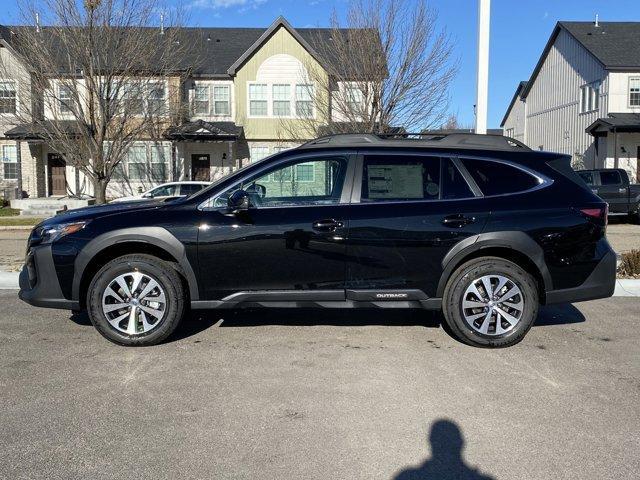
55,232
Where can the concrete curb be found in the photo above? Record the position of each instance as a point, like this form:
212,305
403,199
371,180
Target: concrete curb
16,227
8,280
625,287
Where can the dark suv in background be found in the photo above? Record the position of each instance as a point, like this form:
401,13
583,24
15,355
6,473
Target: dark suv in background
478,226
613,186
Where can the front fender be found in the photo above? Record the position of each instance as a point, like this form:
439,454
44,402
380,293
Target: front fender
157,236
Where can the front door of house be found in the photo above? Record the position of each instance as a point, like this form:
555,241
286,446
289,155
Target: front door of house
57,174
201,167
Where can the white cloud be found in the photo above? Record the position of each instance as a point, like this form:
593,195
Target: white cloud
219,4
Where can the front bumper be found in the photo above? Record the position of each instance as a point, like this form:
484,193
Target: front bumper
600,284
39,285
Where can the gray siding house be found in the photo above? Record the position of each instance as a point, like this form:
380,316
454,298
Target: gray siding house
583,97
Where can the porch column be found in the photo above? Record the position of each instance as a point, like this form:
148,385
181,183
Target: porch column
615,148
19,167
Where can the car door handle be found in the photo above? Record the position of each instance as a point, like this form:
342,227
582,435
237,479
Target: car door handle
327,225
457,221
622,190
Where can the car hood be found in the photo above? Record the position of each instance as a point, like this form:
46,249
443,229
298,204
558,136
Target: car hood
93,211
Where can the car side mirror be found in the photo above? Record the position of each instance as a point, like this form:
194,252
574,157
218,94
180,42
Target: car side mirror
238,201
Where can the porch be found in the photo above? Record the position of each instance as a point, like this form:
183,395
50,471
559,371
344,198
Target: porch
617,143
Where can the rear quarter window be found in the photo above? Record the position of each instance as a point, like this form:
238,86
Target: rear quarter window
497,178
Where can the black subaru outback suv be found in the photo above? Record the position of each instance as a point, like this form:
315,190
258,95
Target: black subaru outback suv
478,226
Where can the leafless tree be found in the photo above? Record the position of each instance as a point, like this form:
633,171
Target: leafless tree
102,74
387,65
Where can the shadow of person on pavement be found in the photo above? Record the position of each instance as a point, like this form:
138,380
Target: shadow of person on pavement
446,462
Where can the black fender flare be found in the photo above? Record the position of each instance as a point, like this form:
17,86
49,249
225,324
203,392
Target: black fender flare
517,241
156,236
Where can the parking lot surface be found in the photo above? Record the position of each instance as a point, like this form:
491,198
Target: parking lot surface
290,394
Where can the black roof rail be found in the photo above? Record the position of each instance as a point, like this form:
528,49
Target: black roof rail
434,139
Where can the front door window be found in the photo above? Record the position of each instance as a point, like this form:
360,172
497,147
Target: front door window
316,181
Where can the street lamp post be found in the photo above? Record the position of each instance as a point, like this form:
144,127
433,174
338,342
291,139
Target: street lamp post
482,92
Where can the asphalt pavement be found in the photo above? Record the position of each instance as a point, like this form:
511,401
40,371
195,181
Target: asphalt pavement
294,394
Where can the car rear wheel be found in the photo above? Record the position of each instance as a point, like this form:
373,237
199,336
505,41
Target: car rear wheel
136,300
490,302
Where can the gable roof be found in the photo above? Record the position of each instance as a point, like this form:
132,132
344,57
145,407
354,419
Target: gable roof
218,52
521,86
616,45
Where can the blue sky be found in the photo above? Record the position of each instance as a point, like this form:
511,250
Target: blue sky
519,31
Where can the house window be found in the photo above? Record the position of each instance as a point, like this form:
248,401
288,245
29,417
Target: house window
304,103
160,155
221,99
281,100
157,98
355,98
305,172
132,96
201,100
137,162
258,99
590,97
64,99
10,162
634,92
258,153
8,97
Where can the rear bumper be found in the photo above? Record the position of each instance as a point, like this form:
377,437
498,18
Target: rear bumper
600,284
38,281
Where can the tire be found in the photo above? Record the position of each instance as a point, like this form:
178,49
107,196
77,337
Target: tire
158,307
479,326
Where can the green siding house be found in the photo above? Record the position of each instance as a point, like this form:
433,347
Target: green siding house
247,92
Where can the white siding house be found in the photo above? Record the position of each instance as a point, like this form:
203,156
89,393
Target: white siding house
580,98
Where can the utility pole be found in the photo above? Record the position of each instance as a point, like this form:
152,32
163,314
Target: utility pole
482,92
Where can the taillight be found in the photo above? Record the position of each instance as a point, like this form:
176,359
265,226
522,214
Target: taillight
600,213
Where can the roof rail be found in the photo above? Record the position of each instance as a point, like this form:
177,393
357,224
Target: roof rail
426,139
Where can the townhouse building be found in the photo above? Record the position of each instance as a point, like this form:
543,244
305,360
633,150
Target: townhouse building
246,84
583,97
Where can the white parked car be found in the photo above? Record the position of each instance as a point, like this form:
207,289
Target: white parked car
166,190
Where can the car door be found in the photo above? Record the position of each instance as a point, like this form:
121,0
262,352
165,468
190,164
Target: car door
408,210
289,244
613,191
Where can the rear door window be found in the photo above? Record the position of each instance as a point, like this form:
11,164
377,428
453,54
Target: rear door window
497,178
610,178
453,184
400,177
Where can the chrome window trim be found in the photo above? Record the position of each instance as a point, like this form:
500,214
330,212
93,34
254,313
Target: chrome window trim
543,180
346,186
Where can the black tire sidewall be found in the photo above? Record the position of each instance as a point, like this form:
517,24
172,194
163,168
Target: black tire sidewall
161,272
474,269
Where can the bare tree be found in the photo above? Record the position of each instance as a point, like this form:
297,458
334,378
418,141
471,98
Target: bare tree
101,76
388,64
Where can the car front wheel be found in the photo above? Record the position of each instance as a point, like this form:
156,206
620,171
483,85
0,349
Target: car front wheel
136,300
490,302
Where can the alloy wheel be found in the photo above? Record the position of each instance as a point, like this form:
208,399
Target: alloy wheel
134,303
492,304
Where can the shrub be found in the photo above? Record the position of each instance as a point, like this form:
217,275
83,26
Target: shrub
630,264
